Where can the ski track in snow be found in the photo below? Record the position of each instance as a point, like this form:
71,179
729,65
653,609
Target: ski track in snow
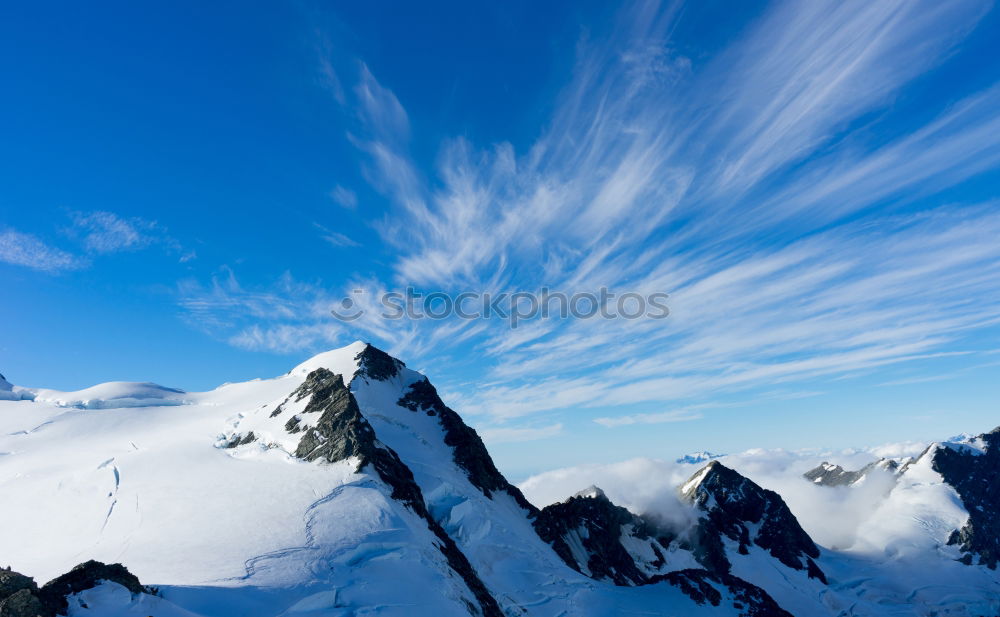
309,518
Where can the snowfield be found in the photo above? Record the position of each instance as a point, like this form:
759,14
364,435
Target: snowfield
203,495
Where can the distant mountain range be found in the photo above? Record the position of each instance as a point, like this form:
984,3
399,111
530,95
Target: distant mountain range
698,457
348,487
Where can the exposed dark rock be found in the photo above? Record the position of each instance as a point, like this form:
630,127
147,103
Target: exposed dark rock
341,431
21,597
742,511
601,523
468,450
23,603
240,440
974,473
828,474
292,426
695,585
85,576
597,524
375,364
12,582
701,586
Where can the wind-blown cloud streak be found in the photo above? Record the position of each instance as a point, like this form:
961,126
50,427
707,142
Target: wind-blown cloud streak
797,235
21,249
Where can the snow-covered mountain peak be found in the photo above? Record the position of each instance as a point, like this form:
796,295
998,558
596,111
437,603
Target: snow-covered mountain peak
830,474
970,466
708,473
736,508
698,457
358,358
591,492
971,444
342,361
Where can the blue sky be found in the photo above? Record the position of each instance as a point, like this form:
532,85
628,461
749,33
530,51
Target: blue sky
188,189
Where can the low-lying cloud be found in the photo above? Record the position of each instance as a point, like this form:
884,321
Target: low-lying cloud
831,515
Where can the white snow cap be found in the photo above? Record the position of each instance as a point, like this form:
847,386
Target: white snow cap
698,457
112,395
338,361
591,492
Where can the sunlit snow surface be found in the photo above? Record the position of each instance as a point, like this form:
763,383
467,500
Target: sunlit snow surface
139,474
254,531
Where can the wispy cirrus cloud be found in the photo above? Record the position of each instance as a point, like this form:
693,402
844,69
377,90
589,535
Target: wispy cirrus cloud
21,249
335,238
98,233
344,197
103,233
798,235
285,317
106,232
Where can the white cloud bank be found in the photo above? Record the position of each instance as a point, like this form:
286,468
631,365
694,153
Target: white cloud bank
833,516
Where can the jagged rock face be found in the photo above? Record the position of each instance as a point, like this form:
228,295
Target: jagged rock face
701,586
468,450
23,604
373,363
341,431
595,524
738,509
12,582
19,596
974,473
828,474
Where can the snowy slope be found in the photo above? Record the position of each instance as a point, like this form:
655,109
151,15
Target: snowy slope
148,486
348,487
210,497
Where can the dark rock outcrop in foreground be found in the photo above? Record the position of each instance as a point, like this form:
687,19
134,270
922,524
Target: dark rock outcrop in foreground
738,509
20,596
974,472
